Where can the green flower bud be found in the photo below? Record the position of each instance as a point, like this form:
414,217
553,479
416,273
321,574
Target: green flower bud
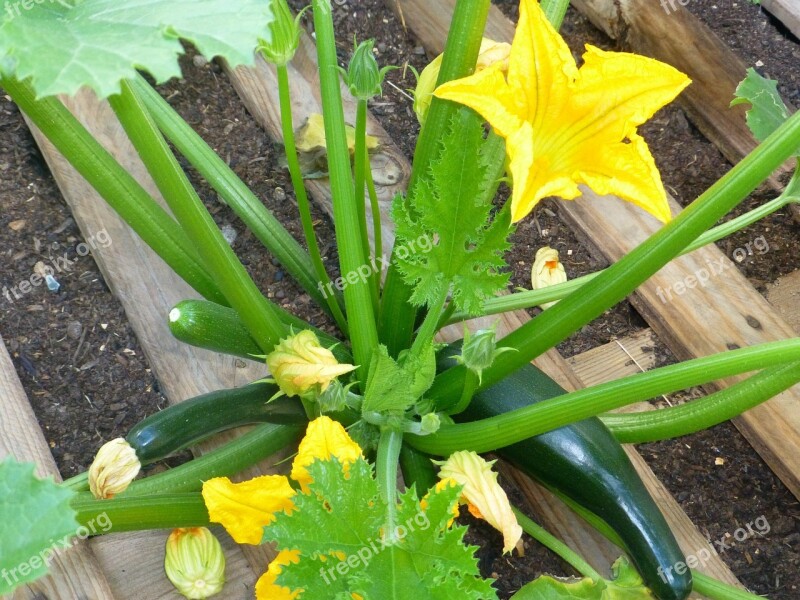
194,562
363,77
479,350
285,34
430,424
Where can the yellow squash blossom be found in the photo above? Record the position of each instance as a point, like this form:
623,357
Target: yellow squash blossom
113,469
547,270
566,126
245,508
301,365
484,497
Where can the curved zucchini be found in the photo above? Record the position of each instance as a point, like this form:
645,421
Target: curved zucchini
187,423
584,462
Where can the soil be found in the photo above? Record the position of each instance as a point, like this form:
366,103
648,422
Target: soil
80,362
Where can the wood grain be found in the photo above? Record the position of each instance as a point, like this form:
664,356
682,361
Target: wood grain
257,87
784,295
788,11
75,572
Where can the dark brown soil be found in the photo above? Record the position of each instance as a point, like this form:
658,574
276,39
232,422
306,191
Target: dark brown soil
80,362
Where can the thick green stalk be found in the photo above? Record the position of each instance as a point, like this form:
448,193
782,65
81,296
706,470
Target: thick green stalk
517,425
573,312
164,511
427,330
551,542
357,296
117,187
227,460
257,312
460,54
300,194
360,168
653,425
233,190
386,463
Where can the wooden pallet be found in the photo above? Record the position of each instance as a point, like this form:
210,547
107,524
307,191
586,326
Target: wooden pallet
102,568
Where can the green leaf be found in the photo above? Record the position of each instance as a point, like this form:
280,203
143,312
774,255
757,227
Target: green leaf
389,386
768,110
626,585
63,45
338,527
466,245
35,514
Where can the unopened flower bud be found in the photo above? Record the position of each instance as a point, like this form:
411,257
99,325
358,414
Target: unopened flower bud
364,78
479,349
194,562
113,469
491,52
301,366
547,270
284,33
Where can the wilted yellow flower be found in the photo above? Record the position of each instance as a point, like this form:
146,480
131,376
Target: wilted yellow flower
485,498
547,270
245,508
113,469
324,439
566,126
194,562
310,137
491,52
302,366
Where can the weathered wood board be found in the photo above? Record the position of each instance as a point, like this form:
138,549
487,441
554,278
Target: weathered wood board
258,89
692,319
787,11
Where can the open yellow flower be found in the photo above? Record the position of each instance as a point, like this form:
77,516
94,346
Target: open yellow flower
245,508
566,126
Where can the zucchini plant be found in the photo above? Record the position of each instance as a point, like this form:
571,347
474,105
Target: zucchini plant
381,396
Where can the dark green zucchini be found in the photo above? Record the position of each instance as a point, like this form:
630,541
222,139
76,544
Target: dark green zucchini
189,422
584,462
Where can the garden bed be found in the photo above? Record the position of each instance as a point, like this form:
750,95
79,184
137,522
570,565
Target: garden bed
96,372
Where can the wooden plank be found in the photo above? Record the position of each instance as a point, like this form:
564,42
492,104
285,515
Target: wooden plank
258,88
787,11
726,312
626,356
75,572
784,295
147,289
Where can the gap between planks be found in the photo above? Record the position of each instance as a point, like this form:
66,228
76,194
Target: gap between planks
258,88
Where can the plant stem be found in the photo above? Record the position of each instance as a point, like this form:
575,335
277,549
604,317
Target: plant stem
117,187
361,166
428,328
136,514
227,460
257,312
358,298
78,483
302,197
386,463
655,425
460,54
555,10
618,281
236,194
551,542
717,590
377,231
511,427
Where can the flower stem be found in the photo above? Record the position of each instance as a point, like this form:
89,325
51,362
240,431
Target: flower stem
386,463
517,425
377,232
551,542
300,194
357,296
360,166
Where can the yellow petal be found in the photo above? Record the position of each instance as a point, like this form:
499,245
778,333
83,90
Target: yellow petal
547,270
324,438
245,508
266,588
484,495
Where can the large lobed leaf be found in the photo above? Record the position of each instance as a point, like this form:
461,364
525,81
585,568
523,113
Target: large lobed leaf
468,245
36,521
338,527
63,45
